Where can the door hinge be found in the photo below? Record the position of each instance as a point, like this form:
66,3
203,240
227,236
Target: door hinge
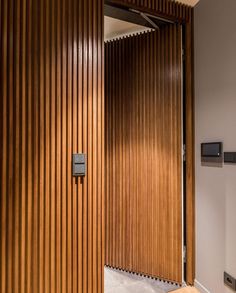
184,153
185,254
183,54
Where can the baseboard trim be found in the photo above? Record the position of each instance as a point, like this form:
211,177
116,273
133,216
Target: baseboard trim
200,287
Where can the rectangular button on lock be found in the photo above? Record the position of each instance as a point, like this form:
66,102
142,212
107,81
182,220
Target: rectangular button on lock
79,165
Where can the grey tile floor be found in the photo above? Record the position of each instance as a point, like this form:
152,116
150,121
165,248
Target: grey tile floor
121,282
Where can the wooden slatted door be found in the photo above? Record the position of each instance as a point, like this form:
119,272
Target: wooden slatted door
143,151
51,106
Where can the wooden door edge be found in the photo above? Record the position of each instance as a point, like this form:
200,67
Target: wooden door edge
190,153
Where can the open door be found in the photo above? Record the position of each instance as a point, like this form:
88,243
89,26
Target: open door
143,97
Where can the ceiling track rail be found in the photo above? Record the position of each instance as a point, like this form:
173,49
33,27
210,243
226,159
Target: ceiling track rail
148,17
135,16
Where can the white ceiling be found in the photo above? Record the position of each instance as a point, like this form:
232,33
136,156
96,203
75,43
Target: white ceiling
114,28
189,2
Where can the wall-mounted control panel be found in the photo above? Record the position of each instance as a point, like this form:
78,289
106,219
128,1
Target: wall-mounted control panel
211,149
211,152
230,157
79,165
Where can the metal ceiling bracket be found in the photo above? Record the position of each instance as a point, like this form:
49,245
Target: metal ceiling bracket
151,16
149,20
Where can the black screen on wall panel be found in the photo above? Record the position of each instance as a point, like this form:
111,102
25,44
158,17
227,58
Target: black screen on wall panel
213,149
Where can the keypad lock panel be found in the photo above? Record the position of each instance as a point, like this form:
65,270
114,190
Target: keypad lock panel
79,165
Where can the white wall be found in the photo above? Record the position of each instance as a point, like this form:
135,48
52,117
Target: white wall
215,84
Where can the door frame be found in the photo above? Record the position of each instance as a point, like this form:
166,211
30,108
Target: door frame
182,14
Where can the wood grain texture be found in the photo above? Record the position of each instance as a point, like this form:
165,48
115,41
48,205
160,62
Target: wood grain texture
52,105
143,153
179,13
190,152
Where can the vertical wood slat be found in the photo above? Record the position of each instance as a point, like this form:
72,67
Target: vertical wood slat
144,180
75,246
80,148
3,147
42,150
10,119
51,106
16,158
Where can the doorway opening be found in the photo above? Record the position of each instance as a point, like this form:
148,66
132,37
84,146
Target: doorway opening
144,145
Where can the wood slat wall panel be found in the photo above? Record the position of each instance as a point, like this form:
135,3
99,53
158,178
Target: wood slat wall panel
143,153
51,83
179,13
